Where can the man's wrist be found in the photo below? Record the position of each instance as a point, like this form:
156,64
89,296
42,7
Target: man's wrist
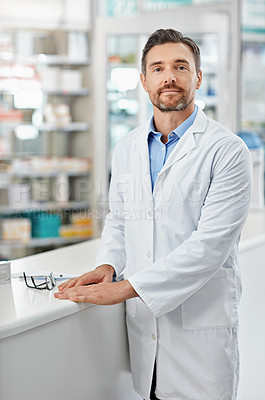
108,266
128,290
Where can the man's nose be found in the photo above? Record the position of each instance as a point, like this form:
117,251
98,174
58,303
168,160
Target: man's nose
170,77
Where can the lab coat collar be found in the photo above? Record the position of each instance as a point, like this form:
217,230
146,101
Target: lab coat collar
185,145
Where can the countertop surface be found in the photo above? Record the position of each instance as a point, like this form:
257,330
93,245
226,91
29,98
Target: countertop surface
22,308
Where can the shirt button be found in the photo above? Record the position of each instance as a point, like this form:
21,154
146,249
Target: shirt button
153,336
148,254
150,213
163,148
171,134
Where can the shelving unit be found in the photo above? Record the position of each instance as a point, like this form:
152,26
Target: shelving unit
47,206
58,92
39,174
45,122
72,127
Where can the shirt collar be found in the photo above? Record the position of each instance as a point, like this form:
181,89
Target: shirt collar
179,131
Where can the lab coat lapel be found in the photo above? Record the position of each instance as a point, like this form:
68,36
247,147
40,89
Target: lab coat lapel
187,142
142,145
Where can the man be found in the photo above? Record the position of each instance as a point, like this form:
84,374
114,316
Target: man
179,197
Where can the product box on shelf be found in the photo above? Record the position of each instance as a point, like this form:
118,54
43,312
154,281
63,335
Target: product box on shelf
15,229
50,164
11,115
45,225
81,226
57,114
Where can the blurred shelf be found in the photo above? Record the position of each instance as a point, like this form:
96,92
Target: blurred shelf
44,242
44,206
59,92
10,124
72,127
42,174
78,92
254,36
46,127
61,60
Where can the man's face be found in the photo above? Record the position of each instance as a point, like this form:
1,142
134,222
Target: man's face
171,79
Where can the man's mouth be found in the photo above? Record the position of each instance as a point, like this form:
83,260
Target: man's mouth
170,90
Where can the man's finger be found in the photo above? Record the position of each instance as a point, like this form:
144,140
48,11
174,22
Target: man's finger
79,299
87,279
68,284
61,295
68,292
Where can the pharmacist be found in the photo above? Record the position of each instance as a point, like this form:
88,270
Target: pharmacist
179,197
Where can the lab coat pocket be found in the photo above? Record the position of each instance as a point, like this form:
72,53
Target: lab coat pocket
214,305
131,308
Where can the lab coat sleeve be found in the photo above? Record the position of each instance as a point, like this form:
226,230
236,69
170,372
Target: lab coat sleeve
112,247
168,282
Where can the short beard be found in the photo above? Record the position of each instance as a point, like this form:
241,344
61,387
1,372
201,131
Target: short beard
182,105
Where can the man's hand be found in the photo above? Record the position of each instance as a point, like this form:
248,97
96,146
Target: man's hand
104,293
103,273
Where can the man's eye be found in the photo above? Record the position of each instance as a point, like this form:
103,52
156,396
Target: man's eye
181,68
157,69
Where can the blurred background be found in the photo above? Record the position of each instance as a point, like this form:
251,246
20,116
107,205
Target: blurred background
69,90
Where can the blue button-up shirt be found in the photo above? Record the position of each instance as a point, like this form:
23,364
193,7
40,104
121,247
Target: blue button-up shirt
158,151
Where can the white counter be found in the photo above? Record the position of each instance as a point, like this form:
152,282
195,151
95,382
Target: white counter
58,349
22,309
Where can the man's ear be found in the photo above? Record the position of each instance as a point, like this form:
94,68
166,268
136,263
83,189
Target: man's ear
143,81
199,79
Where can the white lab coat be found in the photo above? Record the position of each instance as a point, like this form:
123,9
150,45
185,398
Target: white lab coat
180,248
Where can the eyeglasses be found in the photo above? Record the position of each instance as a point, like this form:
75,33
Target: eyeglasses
48,282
